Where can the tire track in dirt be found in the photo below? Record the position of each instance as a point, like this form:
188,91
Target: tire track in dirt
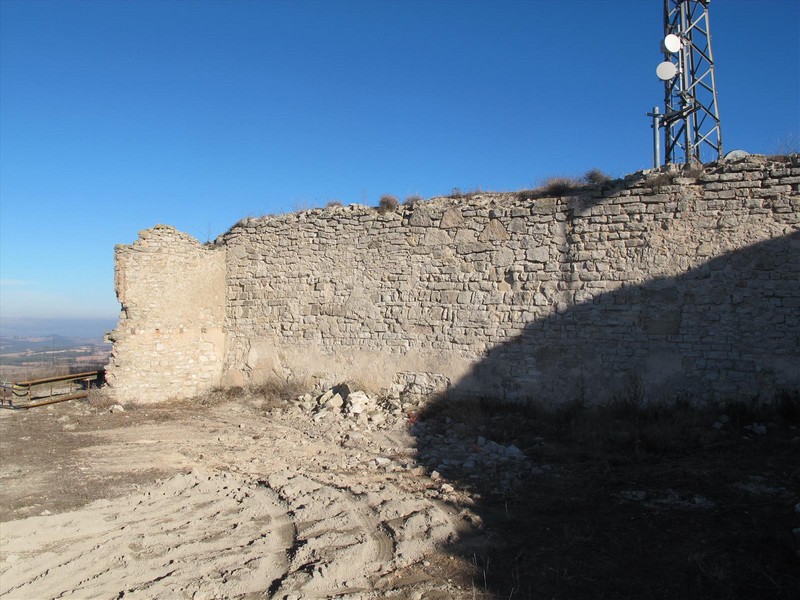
348,542
208,534
278,507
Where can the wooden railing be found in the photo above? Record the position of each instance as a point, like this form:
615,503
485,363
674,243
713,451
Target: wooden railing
27,394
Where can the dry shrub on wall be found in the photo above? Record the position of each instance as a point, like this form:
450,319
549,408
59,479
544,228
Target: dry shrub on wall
333,204
694,169
659,181
410,201
526,194
596,177
781,158
787,146
559,186
387,203
458,193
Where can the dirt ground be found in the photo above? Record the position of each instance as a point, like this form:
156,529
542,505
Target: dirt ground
246,497
214,501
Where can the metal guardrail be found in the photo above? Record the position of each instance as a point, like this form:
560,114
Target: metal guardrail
31,395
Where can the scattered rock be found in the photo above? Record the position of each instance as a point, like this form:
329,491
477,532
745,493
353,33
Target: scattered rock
116,408
357,402
514,452
335,401
756,428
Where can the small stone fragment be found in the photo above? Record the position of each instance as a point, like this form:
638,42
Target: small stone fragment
334,402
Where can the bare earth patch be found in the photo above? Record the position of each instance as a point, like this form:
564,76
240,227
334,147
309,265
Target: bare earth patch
243,495
210,502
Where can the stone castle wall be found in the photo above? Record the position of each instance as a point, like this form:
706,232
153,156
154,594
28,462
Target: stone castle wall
170,340
686,285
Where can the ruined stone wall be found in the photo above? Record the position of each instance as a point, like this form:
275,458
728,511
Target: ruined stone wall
655,285
169,342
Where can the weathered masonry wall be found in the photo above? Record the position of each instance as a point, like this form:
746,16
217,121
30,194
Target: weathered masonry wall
170,339
684,286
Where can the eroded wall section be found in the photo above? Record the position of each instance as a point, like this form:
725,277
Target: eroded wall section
170,339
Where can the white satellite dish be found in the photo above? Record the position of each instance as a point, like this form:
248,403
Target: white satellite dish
666,71
672,43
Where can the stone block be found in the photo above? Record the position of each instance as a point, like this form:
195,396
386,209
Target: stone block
493,232
452,219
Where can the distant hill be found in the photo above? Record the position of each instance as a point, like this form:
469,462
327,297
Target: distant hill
33,357
31,327
34,343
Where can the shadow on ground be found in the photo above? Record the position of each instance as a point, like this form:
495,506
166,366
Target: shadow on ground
645,494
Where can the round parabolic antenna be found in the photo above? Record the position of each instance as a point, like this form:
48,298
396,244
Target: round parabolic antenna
666,71
672,43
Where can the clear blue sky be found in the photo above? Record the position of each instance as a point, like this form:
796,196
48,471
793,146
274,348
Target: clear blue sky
115,116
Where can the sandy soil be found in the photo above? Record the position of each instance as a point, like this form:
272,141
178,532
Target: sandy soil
219,501
240,495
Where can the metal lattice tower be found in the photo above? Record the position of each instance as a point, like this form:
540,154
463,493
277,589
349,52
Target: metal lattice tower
691,121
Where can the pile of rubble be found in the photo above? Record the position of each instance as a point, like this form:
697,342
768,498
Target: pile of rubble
343,403
444,446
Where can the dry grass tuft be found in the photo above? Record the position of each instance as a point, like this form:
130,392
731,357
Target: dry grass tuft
387,203
458,193
657,182
99,399
219,395
276,391
280,389
596,177
694,170
558,186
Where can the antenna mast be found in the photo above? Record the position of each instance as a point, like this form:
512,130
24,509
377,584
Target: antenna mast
691,115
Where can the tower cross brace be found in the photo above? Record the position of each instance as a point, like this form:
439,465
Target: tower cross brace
691,123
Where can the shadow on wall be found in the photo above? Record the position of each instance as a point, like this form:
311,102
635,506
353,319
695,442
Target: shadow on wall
728,329
622,500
